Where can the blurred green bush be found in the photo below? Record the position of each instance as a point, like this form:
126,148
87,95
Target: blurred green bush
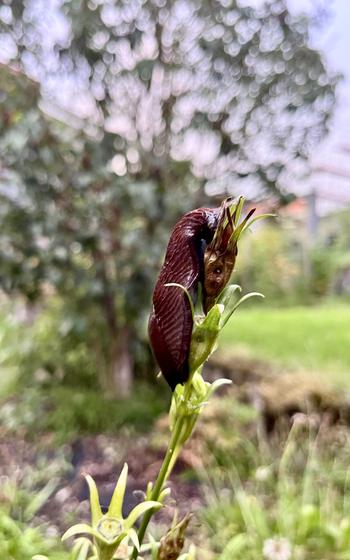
23,531
50,373
286,269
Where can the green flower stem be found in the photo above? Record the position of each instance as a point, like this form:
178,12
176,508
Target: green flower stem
106,552
174,447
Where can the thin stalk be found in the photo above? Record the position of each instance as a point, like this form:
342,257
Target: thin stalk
173,450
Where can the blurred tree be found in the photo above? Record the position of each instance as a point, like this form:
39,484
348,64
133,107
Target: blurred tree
69,223
142,104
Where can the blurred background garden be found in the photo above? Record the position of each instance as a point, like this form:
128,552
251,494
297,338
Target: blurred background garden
116,118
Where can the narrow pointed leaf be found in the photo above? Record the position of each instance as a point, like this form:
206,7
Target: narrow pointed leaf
239,229
212,319
200,386
147,547
134,538
116,504
228,293
231,309
81,549
154,546
217,384
79,529
164,494
260,217
139,510
40,499
238,209
96,512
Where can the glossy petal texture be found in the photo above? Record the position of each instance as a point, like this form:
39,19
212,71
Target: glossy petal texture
170,325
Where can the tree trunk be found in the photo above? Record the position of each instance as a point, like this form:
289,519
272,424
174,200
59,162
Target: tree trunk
121,366
118,376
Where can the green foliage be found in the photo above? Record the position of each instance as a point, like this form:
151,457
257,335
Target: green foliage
22,495
49,380
295,503
68,412
62,349
14,348
324,268
314,337
18,541
288,267
267,259
224,436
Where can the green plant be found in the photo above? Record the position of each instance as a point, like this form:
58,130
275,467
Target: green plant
22,496
79,410
20,541
269,259
323,265
294,508
187,403
111,533
15,343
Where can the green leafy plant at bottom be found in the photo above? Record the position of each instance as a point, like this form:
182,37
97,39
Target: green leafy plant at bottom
20,537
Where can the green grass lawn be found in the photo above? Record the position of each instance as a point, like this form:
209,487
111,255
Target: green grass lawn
314,338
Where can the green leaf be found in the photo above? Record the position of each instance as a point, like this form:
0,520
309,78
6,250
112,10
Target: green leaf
204,337
235,545
164,494
139,510
154,546
78,530
237,210
39,499
96,512
226,295
217,384
116,504
81,549
134,538
260,217
232,306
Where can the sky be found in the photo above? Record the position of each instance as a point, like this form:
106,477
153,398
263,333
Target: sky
333,39
330,160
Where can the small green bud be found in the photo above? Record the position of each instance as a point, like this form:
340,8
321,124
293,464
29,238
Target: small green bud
204,337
